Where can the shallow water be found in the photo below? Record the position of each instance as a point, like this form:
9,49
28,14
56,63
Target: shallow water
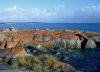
87,60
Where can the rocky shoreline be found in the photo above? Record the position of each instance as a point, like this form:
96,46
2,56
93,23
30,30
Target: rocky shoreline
14,43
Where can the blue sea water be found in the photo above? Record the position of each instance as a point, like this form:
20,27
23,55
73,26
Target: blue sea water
74,26
85,60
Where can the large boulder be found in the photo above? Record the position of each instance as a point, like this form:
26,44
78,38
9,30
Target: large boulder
73,42
90,44
11,51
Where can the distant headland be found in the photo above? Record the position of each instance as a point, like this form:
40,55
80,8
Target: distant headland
20,22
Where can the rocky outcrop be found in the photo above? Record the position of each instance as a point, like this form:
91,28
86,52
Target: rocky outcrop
70,38
67,67
11,51
11,29
90,44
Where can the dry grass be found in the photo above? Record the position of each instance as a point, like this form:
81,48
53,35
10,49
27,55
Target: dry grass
41,63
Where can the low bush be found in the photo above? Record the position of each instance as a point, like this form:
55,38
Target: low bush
41,63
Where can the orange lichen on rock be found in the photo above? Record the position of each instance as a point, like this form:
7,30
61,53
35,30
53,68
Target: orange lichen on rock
2,37
9,45
68,68
20,41
91,32
23,34
67,35
14,42
15,51
29,36
2,45
39,42
59,63
76,30
38,36
97,36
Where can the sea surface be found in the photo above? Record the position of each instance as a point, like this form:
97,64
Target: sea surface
73,26
85,60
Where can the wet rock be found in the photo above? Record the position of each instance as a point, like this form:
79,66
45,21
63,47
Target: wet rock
97,44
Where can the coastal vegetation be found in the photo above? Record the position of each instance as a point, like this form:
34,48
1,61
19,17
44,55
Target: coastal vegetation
41,63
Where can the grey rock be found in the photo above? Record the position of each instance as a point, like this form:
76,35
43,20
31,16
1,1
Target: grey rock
90,44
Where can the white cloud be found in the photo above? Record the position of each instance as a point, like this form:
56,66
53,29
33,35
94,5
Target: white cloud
31,14
88,14
93,7
11,9
55,14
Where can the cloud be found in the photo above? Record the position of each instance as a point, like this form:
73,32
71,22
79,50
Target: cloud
10,9
88,14
58,13
31,14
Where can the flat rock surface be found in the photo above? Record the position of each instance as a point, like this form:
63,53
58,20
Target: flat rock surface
8,68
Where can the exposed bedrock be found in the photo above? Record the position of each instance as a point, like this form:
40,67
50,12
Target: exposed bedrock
66,39
11,51
73,43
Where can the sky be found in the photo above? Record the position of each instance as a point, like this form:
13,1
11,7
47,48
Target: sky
58,11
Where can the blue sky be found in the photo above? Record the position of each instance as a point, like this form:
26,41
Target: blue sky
84,11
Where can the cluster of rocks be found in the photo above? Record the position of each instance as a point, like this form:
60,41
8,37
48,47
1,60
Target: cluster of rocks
11,29
68,38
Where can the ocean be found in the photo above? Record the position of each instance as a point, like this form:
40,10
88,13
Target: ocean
85,60
73,26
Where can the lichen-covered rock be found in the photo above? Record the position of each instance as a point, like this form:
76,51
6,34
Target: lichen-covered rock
11,51
67,67
70,38
90,44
